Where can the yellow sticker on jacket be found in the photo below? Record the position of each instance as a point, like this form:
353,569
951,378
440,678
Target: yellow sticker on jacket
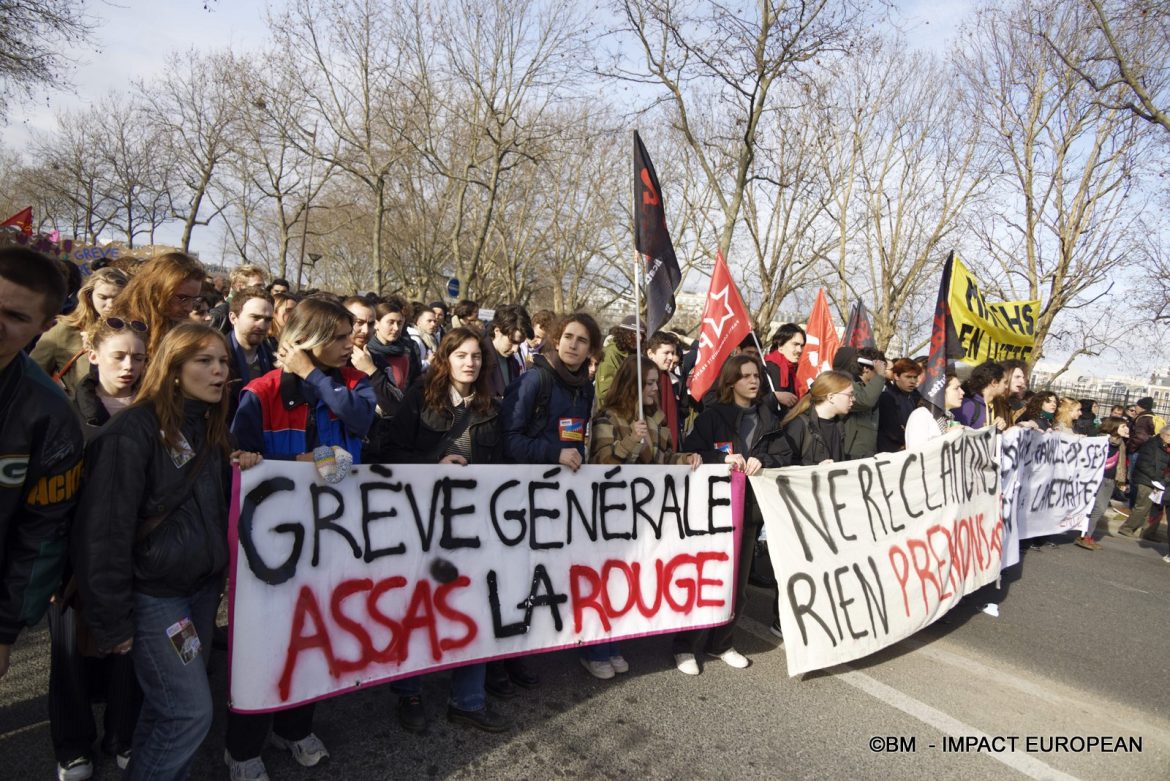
572,429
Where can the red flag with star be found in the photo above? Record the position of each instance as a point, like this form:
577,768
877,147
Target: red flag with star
725,324
22,219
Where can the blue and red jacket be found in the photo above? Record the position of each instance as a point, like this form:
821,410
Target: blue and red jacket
273,418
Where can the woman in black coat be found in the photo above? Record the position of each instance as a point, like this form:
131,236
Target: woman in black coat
450,417
813,431
724,433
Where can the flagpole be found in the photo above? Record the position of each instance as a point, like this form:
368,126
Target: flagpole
638,333
756,339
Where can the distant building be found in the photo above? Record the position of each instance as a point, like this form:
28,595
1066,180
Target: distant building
1107,391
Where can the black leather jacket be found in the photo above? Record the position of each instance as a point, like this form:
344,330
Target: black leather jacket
131,475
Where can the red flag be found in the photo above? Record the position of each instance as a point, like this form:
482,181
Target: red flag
22,219
725,324
820,345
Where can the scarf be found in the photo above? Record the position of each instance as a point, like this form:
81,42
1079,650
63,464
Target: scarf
576,379
669,406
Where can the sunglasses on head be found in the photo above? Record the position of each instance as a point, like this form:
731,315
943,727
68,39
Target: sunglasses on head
118,324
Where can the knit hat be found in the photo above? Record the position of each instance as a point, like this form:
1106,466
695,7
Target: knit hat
1145,402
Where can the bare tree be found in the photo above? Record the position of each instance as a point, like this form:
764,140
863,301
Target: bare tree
275,179
487,77
785,212
922,169
1120,53
1067,217
134,173
33,38
191,110
342,57
704,53
66,166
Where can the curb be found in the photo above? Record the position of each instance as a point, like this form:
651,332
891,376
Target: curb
1113,520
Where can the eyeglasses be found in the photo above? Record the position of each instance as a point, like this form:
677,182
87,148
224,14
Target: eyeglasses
187,301
118,324
850,394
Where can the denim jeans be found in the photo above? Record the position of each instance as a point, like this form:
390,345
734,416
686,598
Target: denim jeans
602,652
467,691
176,708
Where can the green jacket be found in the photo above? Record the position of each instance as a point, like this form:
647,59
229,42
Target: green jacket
607,370
861,424
54,350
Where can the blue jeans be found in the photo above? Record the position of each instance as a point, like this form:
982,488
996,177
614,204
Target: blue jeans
176,707
602,652
467,691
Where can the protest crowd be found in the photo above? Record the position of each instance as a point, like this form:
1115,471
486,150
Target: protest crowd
133,402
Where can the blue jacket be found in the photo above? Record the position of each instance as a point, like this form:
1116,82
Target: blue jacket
565,423
273,418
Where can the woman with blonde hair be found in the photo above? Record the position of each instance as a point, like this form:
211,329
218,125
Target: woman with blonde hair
161,294
314,399
146,579
1068,412
61,352
812,432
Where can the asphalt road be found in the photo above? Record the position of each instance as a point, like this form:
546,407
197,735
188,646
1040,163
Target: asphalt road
1079,649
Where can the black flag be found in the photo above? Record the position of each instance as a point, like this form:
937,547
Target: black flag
858,331
944,345
652,241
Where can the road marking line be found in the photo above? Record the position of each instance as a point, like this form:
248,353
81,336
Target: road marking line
25,728
1018,761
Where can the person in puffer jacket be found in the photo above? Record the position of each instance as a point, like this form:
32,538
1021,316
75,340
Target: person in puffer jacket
314,399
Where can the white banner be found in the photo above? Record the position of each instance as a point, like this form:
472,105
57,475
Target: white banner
400,570
868,552
1050,482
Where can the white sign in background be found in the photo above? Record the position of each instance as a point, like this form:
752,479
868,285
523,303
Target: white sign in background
1050,481
868,552
400,570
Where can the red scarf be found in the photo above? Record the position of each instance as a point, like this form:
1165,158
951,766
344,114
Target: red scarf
787,369
669,406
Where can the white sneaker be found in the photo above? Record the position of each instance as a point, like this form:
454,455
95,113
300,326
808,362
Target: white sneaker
307,751
77,769
619,664
686,664
602,670
1165,558
732,658
249,770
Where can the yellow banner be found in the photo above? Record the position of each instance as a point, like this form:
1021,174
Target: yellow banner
990,331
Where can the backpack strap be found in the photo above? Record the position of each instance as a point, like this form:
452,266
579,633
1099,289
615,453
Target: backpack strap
539,419
57,375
